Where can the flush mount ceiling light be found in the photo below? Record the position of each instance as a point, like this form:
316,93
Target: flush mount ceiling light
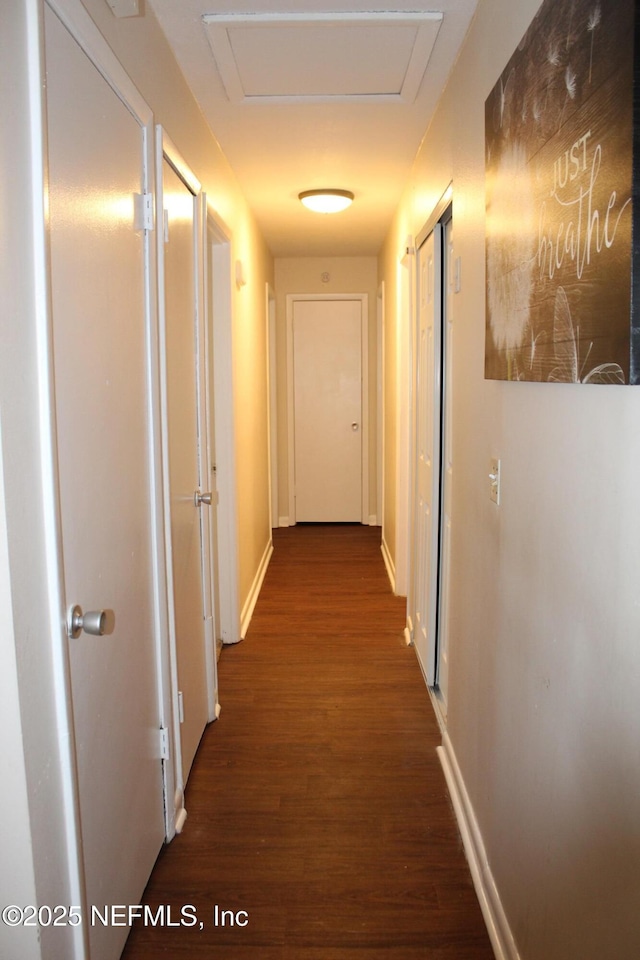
326,201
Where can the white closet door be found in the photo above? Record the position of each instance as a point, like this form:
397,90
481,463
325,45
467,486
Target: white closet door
184,449
426,507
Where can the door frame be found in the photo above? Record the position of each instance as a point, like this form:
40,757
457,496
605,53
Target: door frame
363,298
442,213
404,404
219,326
174,781
272,388
442,635
380,404
208,478
82,29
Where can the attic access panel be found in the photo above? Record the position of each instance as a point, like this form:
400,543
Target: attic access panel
303,57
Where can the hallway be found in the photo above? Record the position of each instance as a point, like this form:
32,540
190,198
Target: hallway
317,809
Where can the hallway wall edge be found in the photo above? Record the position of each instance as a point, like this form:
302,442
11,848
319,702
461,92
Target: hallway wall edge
498,928
388,562
254,592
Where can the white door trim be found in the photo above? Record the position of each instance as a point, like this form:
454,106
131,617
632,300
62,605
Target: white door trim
219,258
207,479
404,400
175,812
272,384
363,298
380,407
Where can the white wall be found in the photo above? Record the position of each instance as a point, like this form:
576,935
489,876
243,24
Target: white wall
544,712
17,885
304,275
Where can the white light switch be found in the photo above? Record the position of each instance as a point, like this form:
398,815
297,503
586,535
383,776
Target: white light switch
494,481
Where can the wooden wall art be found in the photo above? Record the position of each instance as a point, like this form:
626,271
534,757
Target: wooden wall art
559,143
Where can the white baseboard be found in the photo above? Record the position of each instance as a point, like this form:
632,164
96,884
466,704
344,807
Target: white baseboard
283,521
373,520
254,593
495,918
179,811
388,562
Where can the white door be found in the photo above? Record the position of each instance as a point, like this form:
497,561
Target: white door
181,357
96,164
427,433
327,374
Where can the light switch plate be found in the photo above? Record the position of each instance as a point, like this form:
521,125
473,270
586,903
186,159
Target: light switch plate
457,275
494,481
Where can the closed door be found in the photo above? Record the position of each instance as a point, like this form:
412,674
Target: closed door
181,357
427,432
96,164
327,397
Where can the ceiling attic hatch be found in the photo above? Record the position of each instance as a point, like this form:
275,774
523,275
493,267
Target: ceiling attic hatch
322,57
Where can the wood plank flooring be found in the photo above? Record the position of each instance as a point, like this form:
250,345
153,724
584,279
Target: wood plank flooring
317,804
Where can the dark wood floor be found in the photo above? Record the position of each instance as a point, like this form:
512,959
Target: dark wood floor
317,804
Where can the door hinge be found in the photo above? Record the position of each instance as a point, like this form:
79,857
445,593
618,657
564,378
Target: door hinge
164,743
144,211
180,706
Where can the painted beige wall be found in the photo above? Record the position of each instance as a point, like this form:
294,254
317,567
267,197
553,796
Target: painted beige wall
303,275
397,280
250,343
544,712
142,48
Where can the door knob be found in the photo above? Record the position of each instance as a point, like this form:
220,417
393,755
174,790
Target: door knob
355,426
200,498
96,622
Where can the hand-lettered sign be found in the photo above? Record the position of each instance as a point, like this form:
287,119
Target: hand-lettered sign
559,142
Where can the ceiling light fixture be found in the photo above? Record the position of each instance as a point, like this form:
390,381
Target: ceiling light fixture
326,201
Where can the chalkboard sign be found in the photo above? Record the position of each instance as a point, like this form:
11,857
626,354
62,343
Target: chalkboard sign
559,143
